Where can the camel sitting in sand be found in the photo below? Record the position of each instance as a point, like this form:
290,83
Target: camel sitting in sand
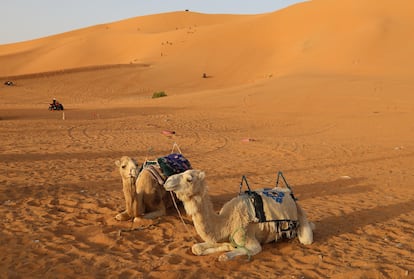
144,194
236,229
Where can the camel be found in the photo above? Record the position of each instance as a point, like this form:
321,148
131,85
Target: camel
235,229
144,194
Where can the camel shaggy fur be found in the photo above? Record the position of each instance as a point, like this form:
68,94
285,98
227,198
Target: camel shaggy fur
144,196
235,229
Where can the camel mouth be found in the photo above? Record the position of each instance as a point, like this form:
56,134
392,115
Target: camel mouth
169,185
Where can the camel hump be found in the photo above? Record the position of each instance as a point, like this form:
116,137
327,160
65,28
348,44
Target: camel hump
271,205
277,194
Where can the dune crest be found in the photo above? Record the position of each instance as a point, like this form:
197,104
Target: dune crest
345,37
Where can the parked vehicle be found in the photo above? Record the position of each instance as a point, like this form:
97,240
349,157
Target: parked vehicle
55,105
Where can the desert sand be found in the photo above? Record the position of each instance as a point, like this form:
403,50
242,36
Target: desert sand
322,91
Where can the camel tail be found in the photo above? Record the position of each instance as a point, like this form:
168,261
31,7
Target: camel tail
305,230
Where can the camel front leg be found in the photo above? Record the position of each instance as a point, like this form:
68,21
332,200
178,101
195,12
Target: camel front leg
157,213
206,248
153,214
130,202
251,248
139,205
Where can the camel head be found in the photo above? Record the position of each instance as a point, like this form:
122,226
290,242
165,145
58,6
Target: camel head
187,184
128,167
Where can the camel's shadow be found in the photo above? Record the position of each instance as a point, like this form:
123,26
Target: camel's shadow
339,187
352,222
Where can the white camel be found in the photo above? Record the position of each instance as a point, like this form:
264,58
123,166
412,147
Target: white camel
235,229
144,194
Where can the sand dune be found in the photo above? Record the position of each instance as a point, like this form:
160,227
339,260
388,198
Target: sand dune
362,39
323,89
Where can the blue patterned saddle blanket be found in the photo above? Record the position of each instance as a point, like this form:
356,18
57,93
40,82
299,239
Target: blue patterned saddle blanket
277,196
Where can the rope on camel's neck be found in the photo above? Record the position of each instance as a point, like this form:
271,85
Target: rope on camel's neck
181,217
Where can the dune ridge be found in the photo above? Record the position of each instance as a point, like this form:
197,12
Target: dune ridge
301,39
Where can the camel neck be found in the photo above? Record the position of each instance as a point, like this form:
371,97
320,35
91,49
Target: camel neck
128,181
129,185
208,224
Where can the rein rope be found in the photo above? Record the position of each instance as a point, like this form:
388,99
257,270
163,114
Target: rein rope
140,228
175,146
181,217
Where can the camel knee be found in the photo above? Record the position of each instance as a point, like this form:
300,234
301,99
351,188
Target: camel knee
253,250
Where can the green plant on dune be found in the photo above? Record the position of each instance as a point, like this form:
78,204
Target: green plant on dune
159,94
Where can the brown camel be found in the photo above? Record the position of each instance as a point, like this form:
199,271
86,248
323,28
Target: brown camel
145,196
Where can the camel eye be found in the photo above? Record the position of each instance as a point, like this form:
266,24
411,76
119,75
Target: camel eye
189,178
123,166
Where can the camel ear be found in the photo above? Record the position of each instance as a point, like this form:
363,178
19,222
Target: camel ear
201,175
117,163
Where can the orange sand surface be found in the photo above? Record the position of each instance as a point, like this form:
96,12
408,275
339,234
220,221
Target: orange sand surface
323,90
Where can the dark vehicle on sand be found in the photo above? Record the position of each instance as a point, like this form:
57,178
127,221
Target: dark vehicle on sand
55,105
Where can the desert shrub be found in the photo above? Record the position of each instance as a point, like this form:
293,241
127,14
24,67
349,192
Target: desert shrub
159,94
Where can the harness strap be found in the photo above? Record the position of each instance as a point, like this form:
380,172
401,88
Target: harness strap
280,174
244,179
175,146
258,205
156,173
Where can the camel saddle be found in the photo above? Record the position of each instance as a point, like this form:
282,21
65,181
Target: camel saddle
173,164
166,166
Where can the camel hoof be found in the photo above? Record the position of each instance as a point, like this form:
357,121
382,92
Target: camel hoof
197,250
143,222
124,216
137,219
223,258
